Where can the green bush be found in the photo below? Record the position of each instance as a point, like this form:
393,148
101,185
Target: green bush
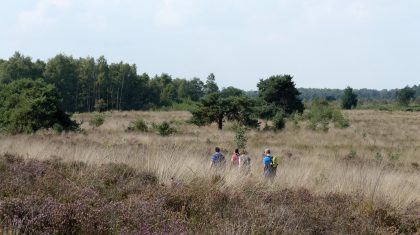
138,125
164,129
296,118
58,128
97,120
100,105
321,114
278,121
27,106
339,120
240,135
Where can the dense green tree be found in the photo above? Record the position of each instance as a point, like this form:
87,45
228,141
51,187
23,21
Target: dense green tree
405,95
280,90
190,90
231,91
27,106
214,108
349,99
62,72
102,81
87,75
19,66
211,85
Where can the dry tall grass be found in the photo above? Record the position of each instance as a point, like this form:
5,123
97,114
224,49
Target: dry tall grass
376,158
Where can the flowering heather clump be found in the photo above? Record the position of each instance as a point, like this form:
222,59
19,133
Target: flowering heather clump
53,197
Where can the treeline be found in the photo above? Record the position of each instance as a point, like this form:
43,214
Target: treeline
363,95
89,84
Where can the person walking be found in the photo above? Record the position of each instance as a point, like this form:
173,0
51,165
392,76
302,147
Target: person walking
217,159
244,163
270,164
235,158
267,163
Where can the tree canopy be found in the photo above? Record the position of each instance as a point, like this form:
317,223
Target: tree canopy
215,108
280,90
349,99
405,95
28,105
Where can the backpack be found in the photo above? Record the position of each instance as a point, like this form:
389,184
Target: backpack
274,162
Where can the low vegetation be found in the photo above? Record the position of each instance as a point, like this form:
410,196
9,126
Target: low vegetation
97,120
108,180
73,197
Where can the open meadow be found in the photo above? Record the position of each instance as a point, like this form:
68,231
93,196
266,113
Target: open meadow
361,179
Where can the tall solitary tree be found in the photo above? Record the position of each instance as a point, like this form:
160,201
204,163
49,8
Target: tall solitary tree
349,99
280,90
211,85
215,108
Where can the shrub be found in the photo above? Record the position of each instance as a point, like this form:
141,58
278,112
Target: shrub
97,120
296,118
165,129
339,120
100,105
58,128
240,135
27,106
138,125
322,113
278,121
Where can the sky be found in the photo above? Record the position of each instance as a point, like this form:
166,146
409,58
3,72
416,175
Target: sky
322,43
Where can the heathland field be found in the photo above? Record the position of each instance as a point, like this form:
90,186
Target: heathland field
362,179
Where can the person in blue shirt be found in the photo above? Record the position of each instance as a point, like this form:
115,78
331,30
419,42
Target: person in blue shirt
267,161
217,159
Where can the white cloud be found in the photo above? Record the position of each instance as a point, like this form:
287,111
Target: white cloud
42,15
175,12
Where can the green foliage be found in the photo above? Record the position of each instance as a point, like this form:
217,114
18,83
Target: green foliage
405,95
349,99
339,120
97,120
296,118
89,84
19,66
240,135
138,125
321,113
100,105
280,90
58,128
279,121
231,91
27,106
214,108
165,128
211,86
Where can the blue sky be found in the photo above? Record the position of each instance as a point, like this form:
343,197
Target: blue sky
323,43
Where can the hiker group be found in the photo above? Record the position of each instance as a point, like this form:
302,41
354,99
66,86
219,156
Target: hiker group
240,160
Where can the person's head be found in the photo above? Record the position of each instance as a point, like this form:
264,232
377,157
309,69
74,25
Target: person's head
237,151
267,151
217,149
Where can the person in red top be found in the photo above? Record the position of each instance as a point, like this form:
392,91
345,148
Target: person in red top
235,158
